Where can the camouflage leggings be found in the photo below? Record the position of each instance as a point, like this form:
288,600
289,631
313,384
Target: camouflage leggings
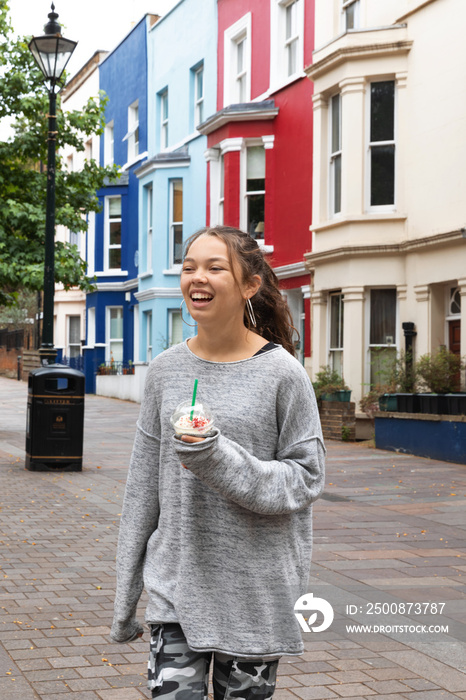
175,671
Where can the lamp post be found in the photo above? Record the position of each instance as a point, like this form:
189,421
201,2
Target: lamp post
51,53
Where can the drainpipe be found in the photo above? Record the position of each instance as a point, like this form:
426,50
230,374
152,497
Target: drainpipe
409,333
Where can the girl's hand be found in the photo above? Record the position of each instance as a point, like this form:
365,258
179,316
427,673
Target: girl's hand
190,438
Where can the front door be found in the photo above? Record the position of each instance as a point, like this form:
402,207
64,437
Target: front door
454,332
454,328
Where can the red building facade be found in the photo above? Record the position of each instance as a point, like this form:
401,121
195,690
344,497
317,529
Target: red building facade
260,139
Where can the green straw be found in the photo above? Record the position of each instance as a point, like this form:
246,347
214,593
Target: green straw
194,397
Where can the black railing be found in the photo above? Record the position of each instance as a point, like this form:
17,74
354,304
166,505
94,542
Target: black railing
73,362
115,368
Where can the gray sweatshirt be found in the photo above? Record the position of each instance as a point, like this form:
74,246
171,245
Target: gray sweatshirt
224,546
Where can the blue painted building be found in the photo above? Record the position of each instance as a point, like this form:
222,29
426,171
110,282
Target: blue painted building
182,86
113,249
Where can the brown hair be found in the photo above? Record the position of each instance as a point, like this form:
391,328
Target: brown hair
272,314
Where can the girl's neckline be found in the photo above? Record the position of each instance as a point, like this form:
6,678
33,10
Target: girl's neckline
260,353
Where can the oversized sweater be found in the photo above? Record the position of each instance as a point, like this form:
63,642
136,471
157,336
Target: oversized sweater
223,546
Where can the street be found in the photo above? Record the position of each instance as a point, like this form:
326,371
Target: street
389,551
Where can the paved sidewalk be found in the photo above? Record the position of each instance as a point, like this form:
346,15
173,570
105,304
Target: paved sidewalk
389,532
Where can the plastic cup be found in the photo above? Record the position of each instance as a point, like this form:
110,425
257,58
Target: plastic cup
192,420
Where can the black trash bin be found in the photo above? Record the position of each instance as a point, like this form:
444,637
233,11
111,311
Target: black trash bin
55,419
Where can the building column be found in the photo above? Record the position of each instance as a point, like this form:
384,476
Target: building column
352,145
354,351
320,159
212,156
423,325
231,150
319,301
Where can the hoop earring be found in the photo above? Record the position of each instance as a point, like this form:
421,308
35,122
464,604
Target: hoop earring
252,318
193,325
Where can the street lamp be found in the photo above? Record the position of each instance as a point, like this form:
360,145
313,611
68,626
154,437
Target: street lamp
51,53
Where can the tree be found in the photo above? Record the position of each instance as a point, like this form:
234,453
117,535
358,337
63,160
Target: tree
24,98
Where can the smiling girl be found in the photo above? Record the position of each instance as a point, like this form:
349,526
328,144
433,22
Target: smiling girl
223,545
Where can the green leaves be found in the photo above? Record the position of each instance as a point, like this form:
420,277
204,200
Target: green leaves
23,175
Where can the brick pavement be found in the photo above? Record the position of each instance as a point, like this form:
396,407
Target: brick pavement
390,529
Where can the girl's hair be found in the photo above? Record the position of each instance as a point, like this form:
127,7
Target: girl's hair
272,314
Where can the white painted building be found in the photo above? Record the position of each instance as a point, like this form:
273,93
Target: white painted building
70,306
389,182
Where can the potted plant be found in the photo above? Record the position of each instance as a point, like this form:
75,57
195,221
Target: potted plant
439,375
330,386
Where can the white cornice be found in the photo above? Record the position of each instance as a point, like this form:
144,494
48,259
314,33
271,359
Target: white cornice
150,165
293,270
405,247
240,115
345,54
159,293
125,286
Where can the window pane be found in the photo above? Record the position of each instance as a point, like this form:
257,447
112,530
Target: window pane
222,177
115,233
335,123
177,200
114,207
239,56
116,323
337,185
75,329
255,163
383,317
350,14
383,111
177,244
336,321
114,258
199,84
292,57
382,360
242,89
165,106
382,175
455,301
256,208
116,350
177,328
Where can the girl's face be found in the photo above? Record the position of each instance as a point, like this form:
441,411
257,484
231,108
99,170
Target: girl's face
210,289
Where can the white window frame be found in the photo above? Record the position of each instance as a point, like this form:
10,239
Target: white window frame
132,137
171,226
340,349
107,246
164,119
333,156
148,330
370,345
250,143
108,338
279,74
235,34
198,101
109,144
69,344
345,5
89,149
380,208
